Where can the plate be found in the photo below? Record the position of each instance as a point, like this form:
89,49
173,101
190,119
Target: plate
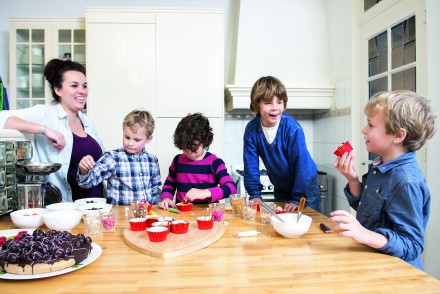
94,254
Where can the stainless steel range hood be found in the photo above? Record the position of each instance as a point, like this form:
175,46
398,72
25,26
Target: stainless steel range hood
285,39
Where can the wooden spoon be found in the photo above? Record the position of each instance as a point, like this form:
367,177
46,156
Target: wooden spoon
302,202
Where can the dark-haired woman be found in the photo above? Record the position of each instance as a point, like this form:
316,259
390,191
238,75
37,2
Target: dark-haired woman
62,133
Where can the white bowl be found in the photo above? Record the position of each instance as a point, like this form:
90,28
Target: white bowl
61,206
62,220
291,228
31,218
94,207
83,201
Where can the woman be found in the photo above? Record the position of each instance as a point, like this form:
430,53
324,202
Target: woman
62,133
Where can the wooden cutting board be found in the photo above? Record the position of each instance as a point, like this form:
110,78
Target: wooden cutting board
175,244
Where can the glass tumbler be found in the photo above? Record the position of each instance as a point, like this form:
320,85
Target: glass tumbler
249,210
217,211
108,220
265,215
93,223
237,201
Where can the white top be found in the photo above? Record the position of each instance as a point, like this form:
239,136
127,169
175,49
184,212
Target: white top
270,133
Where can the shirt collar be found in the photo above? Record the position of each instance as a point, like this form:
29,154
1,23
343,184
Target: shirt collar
402,159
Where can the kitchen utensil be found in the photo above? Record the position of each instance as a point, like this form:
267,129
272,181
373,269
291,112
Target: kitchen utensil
302,202
268,209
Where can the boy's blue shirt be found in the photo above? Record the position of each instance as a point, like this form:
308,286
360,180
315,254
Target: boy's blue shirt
395,202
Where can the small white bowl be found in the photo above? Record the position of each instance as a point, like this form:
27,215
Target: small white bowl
31,218
61,206
291,228
83,201
95,207
62,220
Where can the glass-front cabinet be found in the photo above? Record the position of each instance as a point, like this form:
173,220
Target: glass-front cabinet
32,44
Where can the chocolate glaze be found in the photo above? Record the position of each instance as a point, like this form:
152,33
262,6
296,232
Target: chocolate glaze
45,247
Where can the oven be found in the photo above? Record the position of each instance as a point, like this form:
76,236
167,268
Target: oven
325,187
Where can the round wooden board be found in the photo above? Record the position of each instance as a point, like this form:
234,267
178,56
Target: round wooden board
175,244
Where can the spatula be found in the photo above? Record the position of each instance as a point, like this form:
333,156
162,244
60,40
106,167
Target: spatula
302,202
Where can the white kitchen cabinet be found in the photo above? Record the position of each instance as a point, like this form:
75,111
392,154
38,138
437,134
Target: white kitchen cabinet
33,42
169,62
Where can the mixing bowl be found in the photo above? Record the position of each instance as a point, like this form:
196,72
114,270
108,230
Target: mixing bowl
291,228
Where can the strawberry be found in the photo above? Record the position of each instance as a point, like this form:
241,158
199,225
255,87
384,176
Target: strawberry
2,240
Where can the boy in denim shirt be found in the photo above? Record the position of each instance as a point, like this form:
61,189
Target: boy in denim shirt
392,201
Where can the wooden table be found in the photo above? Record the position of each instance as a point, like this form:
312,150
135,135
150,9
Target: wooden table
268,263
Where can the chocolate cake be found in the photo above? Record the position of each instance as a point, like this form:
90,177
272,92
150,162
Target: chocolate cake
43,252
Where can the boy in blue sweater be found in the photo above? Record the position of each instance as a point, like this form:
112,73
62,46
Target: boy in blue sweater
278,139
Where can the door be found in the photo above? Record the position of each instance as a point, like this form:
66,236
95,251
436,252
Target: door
391,56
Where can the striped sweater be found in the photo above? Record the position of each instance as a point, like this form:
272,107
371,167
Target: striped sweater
208,173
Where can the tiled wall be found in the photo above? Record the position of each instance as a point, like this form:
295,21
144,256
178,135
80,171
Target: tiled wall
331,129
324,132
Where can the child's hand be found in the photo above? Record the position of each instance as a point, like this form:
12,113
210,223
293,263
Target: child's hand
344,164
348,226
86,163
166,203
194,194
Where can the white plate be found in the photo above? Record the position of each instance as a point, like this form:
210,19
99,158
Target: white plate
94,254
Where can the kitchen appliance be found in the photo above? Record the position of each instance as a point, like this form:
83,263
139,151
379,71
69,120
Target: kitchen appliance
14,146
268,188
325,186
33,188
23,184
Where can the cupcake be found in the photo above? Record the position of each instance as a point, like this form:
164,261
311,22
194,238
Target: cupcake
180,226
165,224
205,222
157,234
345,147
138,224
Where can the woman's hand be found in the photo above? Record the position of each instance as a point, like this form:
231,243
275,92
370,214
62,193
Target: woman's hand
290,206
194,194
86,163
166,203
58,140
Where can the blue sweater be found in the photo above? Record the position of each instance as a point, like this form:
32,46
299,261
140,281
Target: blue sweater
290,167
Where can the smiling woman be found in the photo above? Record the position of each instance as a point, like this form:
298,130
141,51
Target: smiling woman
62,133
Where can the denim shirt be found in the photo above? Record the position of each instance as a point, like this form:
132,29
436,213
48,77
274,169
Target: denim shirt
394,202
55,117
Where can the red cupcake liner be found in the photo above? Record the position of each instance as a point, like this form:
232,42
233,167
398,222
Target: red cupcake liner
180,227
346,147
205,223
165,224
138,224
151,219
184,207
157,234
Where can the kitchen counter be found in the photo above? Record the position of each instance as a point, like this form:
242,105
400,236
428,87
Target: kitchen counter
315,263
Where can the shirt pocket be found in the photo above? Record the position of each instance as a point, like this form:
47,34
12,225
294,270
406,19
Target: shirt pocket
370,208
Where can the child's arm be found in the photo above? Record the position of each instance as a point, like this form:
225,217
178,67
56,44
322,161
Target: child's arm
86,164
349,226
344,164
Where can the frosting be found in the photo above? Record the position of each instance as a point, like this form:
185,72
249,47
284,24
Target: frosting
45,247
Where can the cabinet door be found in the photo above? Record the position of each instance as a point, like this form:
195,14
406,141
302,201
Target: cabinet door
29,48
32,45
190,64
167,151
121,75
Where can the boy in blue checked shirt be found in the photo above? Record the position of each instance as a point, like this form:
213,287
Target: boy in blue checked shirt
133,174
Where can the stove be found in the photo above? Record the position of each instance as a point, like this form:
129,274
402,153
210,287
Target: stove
268,188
